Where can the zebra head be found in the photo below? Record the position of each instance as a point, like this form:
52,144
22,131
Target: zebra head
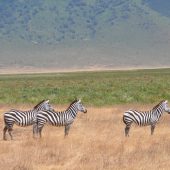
80,106
165,105
43,105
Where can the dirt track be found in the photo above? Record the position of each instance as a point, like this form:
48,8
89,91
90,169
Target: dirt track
32,70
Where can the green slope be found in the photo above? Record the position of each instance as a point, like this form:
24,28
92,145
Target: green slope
81,33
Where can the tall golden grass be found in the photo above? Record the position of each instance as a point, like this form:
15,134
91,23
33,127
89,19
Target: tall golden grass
96,141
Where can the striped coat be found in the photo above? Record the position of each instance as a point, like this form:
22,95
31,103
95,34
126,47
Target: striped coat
23,118
145,118
64,118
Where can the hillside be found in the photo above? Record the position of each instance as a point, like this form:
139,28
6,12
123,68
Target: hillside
83,34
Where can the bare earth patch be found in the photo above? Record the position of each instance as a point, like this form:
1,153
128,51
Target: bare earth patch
96,142
30,70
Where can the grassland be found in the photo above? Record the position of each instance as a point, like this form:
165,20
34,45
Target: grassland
94,88
96,140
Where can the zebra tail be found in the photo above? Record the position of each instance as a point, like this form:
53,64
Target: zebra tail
5,122
124,119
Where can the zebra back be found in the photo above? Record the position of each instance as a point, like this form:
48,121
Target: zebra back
147,117
60,118
25,118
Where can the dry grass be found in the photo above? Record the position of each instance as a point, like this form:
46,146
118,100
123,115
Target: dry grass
96,142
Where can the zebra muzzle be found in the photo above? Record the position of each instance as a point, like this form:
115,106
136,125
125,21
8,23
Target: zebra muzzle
85,111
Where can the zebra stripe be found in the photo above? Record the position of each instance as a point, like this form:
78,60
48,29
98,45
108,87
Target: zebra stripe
145,118
23,118
63,118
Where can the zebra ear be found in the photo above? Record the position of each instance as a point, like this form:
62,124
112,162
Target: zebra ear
47,101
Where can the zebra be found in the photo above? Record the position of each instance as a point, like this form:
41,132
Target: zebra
145,118
63,118
23,118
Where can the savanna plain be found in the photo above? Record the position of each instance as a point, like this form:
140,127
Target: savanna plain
96,139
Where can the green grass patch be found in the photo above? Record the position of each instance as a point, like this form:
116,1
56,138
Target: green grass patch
94,88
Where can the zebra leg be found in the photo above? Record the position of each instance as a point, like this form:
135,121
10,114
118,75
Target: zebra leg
127,128
4,132
39,131
39,128
67,128
10,133
152,129
35,130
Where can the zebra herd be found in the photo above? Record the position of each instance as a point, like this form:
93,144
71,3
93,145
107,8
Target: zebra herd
41,114
44,113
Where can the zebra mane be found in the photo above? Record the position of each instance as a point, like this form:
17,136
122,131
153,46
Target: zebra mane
72,103
155,107
35,107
